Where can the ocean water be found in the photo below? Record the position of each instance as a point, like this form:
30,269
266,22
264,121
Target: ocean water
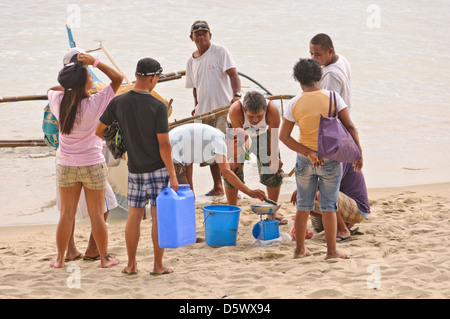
397,51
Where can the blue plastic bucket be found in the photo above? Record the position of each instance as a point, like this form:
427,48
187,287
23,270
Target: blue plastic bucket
221,224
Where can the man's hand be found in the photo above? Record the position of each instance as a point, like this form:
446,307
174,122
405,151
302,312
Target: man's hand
257,193
174,183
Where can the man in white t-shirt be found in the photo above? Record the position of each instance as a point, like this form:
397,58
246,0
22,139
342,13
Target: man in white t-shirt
212,74
336,71
199,143
336,76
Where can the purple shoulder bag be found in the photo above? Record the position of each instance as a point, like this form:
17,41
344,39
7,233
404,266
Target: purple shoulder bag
334,141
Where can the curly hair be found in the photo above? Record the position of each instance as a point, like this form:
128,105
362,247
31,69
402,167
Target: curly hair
307,71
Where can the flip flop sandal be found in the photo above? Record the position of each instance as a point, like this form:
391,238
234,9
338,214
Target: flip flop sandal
95,258
125,272
166,272
76,258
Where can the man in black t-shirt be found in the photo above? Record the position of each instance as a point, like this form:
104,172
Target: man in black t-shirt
143,120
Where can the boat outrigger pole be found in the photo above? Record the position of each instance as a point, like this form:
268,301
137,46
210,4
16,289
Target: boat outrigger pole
258,84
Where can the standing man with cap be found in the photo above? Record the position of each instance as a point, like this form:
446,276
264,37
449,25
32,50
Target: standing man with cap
144,122
212,74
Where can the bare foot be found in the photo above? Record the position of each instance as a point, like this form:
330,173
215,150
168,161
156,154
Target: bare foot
165,271
215,192
110,262
56,265
281,220
342,234
338,255
301,253
72,257
127,272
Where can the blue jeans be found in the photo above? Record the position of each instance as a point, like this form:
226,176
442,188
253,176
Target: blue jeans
327,178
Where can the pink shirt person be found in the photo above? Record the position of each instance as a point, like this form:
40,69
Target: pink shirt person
82,147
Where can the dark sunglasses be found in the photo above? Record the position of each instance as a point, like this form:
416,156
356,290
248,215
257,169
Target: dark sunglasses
200,26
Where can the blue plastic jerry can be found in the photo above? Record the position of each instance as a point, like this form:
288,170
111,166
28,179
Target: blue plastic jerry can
175,214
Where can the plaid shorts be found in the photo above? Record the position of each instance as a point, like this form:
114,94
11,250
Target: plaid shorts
93,176
146,186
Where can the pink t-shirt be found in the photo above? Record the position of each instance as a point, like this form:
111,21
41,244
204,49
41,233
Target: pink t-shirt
82,147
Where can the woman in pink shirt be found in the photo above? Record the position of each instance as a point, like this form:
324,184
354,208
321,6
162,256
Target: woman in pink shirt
80,162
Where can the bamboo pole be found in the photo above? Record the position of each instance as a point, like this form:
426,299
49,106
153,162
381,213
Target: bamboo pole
113,61
199,118
41,97
23,98
217,112
167,78
205,116
22,143
280,97
210,114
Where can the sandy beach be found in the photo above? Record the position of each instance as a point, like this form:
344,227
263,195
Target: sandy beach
399,252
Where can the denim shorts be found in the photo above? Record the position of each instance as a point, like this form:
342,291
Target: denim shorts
326,178
146,187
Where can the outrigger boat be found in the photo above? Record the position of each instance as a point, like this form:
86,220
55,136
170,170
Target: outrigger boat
118,170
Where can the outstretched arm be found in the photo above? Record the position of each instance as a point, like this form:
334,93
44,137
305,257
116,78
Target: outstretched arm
231,177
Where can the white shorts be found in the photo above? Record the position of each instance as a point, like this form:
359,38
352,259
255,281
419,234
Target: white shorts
110,201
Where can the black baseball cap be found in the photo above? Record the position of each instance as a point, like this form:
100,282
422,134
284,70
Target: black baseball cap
71,74
149,67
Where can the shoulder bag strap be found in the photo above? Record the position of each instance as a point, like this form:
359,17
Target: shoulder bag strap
335,105
329,108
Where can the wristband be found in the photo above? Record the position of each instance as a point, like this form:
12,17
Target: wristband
96,62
